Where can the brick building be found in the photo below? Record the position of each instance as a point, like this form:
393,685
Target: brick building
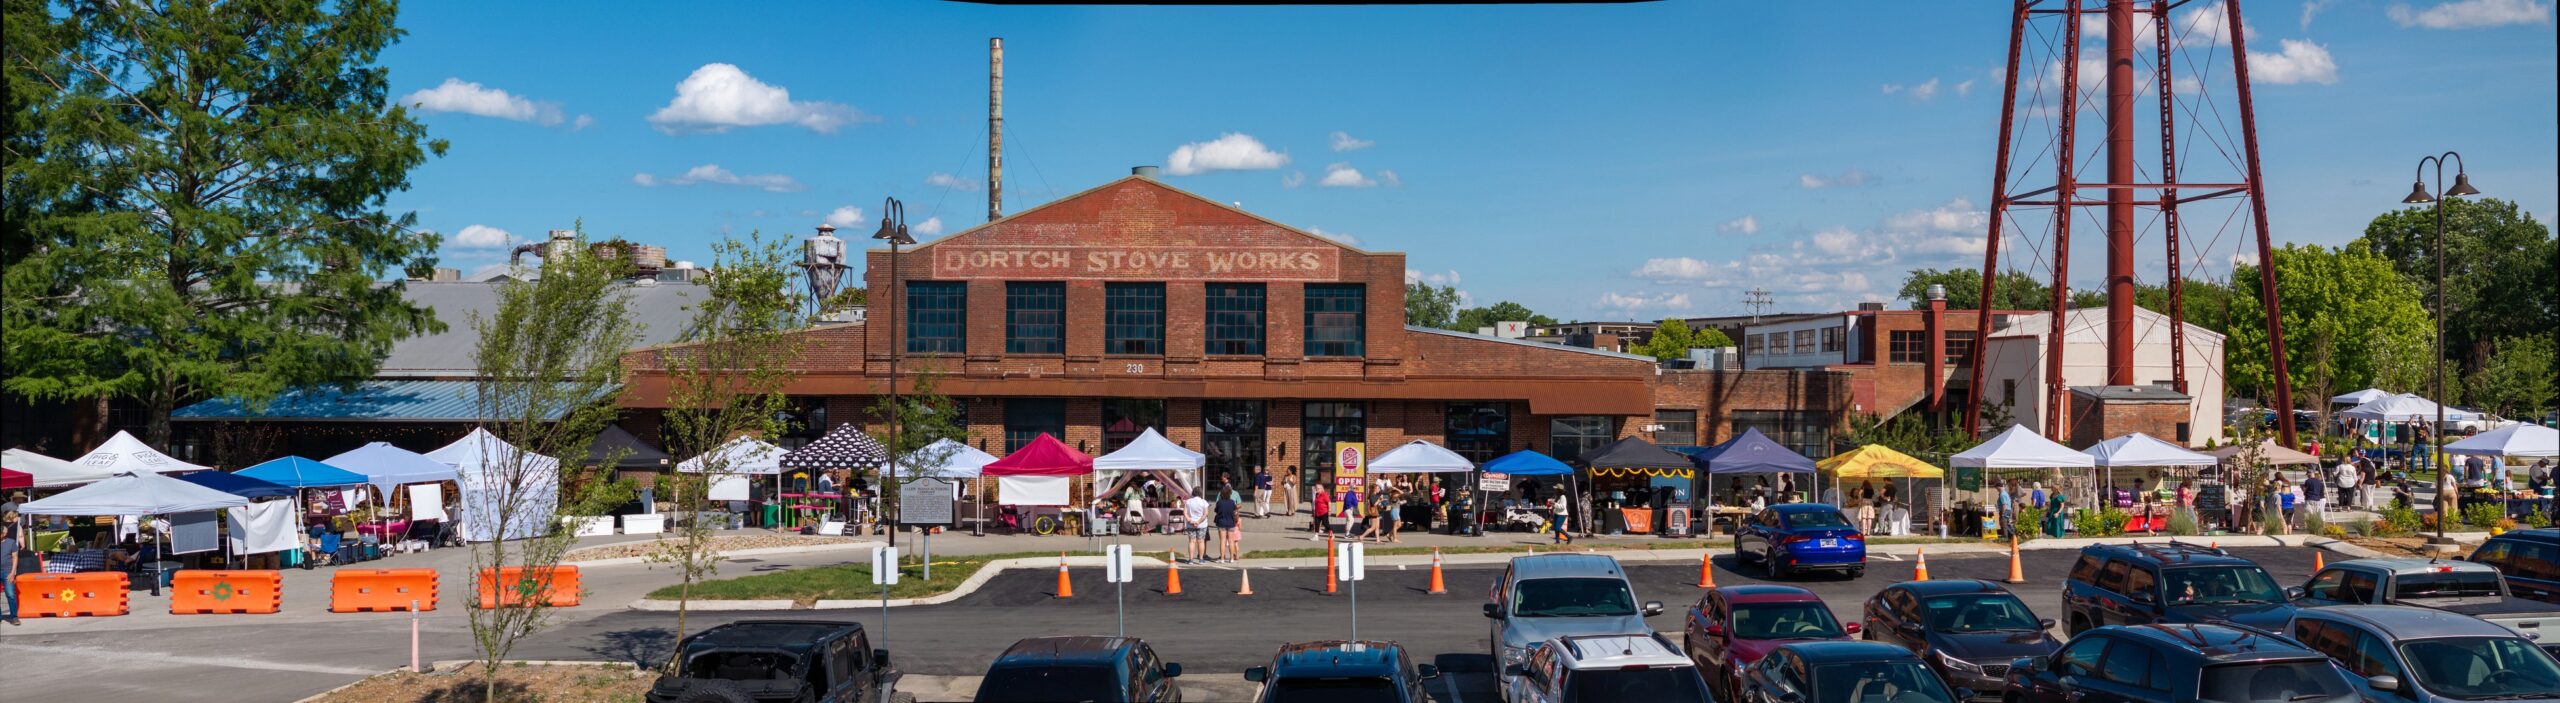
1137,305
1894,360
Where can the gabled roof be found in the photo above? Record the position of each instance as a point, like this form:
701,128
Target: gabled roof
1062,219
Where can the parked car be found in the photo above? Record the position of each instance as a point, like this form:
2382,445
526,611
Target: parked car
778,660
1966,631
1605,668
2452,586
1732,627
1545,596
2477,422
1081,668
1796,537
1338,671
2529,559
2426,656
1843,672
2142,584
2182,662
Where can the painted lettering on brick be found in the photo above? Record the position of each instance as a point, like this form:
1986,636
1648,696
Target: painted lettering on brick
1137,263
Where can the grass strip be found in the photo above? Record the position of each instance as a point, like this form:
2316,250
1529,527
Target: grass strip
851,581
1514,548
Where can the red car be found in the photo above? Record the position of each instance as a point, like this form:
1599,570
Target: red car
1733,627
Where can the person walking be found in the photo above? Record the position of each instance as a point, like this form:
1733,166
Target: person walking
1321,523
10,541
1261,492
1195,522
1563,511
1230,530
1392,513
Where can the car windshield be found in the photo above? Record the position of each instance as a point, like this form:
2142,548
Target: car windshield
1653,684
1032,684
1814,519
1784,621
1878,682
2482,668
2302,680
2446,584
1574,597
1334,689
2211,585
1980,612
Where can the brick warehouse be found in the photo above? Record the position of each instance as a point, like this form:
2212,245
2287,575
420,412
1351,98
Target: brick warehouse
1136,304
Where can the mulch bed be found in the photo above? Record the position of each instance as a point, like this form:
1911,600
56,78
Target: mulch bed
516,684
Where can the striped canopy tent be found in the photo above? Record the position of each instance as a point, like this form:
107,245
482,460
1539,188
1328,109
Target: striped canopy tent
845,447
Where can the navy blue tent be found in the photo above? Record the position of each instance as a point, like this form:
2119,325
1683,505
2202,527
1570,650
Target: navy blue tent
1753,453
236,484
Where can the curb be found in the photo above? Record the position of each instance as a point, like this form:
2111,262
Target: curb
965,587
757,552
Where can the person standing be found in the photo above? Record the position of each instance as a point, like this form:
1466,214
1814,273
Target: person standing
10,539
1261,492
2347,476
1392,513
1322,524
2008,506
1195,523
2315,492
1230,530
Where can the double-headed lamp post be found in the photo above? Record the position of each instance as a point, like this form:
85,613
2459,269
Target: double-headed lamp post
2419,193
893,229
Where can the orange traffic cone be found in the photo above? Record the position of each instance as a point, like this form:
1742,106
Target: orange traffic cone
1172,574
1329,565
1438,586
2318,562
1920,571
1066,588
1706,571
2017,573
1245,587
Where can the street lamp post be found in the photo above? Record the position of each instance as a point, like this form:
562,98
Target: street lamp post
2418,193
893,229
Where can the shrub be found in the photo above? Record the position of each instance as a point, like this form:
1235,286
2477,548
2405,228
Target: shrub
2270,522
2537,518
2427,521
2030,522
2483,514
2397,522
2109,522
2182,523
2333,532
2312,523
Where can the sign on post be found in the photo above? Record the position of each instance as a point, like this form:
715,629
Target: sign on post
1350,561
926,501
1350,465
884,566
1494,482
1118,571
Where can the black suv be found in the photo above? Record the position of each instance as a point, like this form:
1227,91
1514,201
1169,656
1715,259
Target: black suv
778,660
2165,663
2142,584
1084,669
2529,558
1336,671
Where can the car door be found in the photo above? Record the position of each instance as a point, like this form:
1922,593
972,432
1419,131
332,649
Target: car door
2360,587
2373,657
1904,626
2078,604
1880,619
2111,606
1746,537
2125,675
2141,582
1705,647
2324,587
2074,670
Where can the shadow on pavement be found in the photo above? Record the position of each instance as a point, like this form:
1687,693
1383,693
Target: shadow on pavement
644,647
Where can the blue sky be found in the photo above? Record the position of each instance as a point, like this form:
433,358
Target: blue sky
1609,162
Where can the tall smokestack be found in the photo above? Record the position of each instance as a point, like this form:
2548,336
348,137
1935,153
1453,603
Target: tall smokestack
995,128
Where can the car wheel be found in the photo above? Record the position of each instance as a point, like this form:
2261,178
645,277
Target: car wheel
1857,573
1738,554
1776,570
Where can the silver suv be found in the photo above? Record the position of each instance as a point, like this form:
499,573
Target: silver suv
1546,596
2422,655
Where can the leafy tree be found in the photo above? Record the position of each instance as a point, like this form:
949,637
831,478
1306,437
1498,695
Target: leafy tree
2350,296
1472,319
2208,302
549,366
923,416
2517,381
195,197
1672,339
2010,290
2498,279
1428,305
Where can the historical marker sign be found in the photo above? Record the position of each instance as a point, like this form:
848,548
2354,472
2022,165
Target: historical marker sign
926,501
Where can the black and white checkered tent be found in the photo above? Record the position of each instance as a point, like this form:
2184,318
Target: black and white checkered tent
845,447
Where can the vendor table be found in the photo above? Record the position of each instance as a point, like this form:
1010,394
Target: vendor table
383,530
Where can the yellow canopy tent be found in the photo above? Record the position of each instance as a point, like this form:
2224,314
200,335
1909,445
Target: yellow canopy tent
1877,461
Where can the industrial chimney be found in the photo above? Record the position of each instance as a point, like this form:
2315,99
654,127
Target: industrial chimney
995,128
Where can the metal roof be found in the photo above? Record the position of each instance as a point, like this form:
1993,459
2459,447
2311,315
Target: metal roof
662,311
1532,345
371,401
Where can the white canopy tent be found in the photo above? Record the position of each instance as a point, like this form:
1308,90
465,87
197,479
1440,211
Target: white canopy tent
49,472
2021,448
133,493
2405,407
492,473
1151,452
2512,440
387,467
123,453
944,458
1420,457
2140,449
740,458
2360,397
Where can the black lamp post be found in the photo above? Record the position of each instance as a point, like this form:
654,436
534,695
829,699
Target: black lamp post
893,229
2418,193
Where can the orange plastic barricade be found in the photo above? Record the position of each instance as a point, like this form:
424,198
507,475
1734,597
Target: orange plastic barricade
210,591
381,590
92,594
511,587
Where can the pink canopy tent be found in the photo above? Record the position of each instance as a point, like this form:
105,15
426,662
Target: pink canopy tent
1037,473
13,479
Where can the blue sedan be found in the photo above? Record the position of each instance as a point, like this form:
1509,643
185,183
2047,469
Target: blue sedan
1798,537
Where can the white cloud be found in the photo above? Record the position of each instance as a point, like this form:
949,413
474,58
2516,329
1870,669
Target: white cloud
1344,176
846,217
1294,179
1682,268
1390,178
482,237
581,123
945,180
1836,241
714,174
1964,88
1851,177
1957,215
2468,14
2208,24
1230,152
1343,237
720,96
2300,62
931,226
466,97
1449,278
1627,302
2312,8
1343,141
1745,224
1890,88
1925,91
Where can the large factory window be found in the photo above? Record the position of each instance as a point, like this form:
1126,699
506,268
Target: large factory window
937,317
1035,318
1133,318
1480,431
1235,318
1123,419
1026,418
1232,435
1678,427
1337,317
1323,424
1568,437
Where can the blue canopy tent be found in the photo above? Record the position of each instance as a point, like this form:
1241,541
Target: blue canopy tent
1530,462
299,472
235,484
1748,453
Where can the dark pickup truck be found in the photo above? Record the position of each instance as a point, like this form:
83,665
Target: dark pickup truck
798,661
2463,587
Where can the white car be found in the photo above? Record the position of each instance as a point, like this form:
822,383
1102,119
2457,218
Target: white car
1595,668
2476,422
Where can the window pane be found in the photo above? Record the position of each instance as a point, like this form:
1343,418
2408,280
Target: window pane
1337,319
1959,347
1679,427
1321,424
1026,419
1133,318
937,317
1569,437
1807,433
1909,347
1479,431
1831,340
1235,318
1232,436
1035,318
1123,419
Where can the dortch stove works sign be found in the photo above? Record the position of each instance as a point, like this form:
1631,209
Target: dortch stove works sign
1152,263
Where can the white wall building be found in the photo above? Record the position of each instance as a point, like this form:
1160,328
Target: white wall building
1814,341
2013,372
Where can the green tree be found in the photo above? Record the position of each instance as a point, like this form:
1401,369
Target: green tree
1428,305
196,191
2011,290
1672,339
2368,313
2498,279
2208,303
549,364
923,416
1472,319
2517,380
